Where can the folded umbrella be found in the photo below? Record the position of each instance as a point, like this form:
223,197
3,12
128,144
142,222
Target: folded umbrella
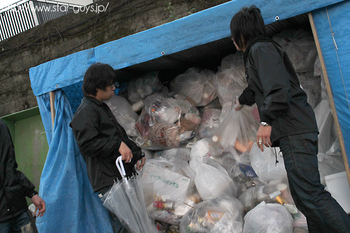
125,200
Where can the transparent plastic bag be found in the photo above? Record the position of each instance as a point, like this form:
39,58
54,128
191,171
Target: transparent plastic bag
300,47
180,153
124,113
237,129
239,169
167,122
224,215
268,164
204,149
230,80
140,88
196,84
209,123
271,217
276,191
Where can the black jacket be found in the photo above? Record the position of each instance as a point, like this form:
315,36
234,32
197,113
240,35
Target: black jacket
99,135
274,86
14,185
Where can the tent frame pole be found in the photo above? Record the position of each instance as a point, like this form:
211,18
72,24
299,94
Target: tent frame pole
330,97
52,106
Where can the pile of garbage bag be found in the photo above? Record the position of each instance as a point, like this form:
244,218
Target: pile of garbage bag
204,171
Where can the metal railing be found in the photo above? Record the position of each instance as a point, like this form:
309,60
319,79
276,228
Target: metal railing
25,14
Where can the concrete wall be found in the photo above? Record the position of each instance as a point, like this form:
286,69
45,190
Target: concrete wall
75,32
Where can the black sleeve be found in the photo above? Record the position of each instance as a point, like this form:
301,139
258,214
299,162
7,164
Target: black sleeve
247,97
85,125
8,160
28,187
274,79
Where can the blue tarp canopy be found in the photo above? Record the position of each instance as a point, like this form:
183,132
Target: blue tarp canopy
64,175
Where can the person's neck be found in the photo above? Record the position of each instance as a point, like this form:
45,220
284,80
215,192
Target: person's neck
94,96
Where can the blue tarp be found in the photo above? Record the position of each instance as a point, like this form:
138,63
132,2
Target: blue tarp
197,29
334,20
71,204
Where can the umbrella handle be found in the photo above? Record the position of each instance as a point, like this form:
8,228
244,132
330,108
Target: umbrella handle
120,166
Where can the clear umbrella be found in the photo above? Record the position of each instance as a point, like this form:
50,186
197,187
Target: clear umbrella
125,200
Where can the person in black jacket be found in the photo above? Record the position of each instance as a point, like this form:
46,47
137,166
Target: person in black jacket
101,139
287,120
14,187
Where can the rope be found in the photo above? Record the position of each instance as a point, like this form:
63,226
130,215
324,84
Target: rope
336,51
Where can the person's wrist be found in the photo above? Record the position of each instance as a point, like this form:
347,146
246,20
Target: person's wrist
33,194
263,123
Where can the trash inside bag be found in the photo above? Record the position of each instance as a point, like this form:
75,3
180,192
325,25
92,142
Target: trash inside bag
237,129
167,122
224,215
170,180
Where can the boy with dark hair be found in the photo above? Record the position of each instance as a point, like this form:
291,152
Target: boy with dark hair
101,139
287,120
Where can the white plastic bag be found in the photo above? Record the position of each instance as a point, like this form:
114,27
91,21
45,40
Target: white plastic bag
268,218
170,181
269,164
212,180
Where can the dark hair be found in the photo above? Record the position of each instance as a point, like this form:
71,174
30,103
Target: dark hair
98,76
246,25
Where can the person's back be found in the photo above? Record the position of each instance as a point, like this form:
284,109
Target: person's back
286,119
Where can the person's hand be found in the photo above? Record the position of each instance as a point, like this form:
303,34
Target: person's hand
263,137
125,152
238,106
140,163
39,205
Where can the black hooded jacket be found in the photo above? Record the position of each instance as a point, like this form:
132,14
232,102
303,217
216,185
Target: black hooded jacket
14,185
99,135
274,86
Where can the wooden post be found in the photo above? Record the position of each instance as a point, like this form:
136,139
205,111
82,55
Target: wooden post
330,97
52,106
